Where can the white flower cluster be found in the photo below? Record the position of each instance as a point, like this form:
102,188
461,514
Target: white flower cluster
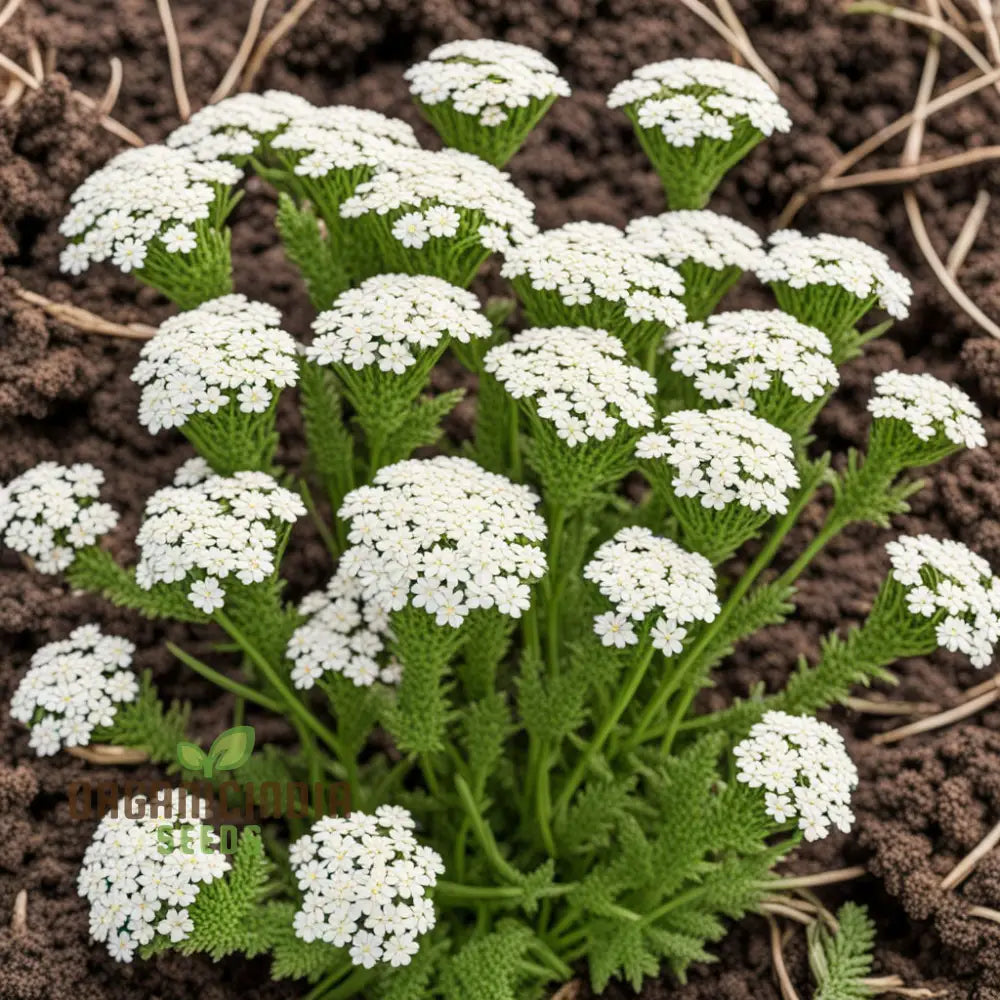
228,350
234,127
72,687
485,77
582,261
690,99
704,237
344,634
220,527
732,355
365,881
641,573
941,575
577,380
836,261
50,511
724,456
135,892
803,767
342,138
929,406
435,188
444,535
141,195
388,318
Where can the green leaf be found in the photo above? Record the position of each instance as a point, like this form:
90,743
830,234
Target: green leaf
191,757
841,962
305,247
232,748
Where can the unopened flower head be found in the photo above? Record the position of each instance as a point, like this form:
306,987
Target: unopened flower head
709,250
235,128
392,319
722,457
590,273
642,574
832,281
949,584
366,885
690,99
447,209
933,411
803,767
74,686
223,527
152,198
344,634
767,362
229,351
50,511
577,380
444,535
487,79
137,893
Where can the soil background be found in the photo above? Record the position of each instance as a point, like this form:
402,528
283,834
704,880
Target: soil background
67,396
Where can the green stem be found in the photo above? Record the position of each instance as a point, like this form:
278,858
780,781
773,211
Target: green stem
543,801
494,893
514,430
224,682
483,834
672,904
321,526
552,588
625,696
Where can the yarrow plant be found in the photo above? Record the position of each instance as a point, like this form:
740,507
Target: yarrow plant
485,96
696,118
587,274
504,665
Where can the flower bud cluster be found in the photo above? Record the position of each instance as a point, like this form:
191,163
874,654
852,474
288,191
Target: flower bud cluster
135,891
227,351
224,526
142,196
365,881
390,319
444,535
803,767
486,78
344,634
577,379
690,99
946,581
50,511
642,574
74,686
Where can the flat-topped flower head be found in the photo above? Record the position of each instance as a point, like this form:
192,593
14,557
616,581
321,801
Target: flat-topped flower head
763,361
438,213
722,472
216,372
156,212
804,769
484,96
577,379
588,274
344,634
366,885
224,529
51,511
651,580
73,687
238,127
136,892
710,252
696,118
446,536
919,420
831,282
952,590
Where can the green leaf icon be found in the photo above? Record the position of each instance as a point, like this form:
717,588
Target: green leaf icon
190,756
232,748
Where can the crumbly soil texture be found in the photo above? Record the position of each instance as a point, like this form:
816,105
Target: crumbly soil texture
66,395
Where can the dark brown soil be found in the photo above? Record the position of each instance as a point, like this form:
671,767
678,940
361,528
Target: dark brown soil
67,395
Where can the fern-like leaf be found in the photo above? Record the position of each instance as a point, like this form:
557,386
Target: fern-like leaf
305,247
840,962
